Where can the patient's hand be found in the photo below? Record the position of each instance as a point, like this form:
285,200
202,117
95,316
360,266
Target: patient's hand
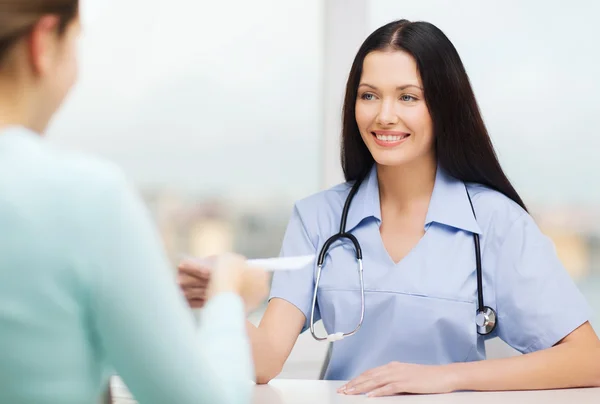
193,279
233,275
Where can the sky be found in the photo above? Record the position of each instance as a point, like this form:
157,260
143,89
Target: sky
226,96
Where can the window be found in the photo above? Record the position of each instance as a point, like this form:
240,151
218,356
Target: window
213,109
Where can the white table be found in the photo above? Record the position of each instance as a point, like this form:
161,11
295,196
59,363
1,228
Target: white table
281,391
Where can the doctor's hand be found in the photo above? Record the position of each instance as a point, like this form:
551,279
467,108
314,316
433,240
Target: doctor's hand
397,378
230,273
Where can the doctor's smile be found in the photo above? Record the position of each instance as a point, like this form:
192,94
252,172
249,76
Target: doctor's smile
388,138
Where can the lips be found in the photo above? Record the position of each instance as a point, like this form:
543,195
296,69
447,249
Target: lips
389,138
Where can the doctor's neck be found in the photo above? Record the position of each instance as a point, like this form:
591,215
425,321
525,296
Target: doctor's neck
404,185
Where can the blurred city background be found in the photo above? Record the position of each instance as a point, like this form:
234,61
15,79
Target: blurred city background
223,113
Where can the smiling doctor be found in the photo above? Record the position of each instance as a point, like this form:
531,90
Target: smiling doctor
427,250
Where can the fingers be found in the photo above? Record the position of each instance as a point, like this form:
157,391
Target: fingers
194,270
193,281
362,378
228,272
189,281
195,293
387,390
197,303
371,380
365,387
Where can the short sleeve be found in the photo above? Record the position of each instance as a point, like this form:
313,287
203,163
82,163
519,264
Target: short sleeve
296,287
537,301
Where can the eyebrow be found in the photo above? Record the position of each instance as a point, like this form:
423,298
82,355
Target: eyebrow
403,87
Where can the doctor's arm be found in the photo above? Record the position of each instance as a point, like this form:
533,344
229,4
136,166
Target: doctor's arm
541,313
572,362
273,340
289,305
142,324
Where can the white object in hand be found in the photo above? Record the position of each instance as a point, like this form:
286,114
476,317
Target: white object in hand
282,263
267,264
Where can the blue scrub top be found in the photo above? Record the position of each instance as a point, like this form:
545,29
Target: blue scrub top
422,309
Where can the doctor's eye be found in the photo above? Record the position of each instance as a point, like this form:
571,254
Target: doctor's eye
408,98
367,97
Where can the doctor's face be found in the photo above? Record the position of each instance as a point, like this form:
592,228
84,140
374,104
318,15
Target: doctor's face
391,112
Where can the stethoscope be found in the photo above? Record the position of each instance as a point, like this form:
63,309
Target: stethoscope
485,318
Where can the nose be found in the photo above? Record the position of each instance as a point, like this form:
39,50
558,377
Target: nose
387,114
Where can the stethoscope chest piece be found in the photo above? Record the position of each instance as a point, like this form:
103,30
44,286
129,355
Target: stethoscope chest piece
485,320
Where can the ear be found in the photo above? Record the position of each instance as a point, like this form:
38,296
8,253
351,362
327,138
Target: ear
42,43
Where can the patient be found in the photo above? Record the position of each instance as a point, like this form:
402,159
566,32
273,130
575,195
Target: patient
85,287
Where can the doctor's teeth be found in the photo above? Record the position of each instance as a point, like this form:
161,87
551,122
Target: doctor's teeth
390,138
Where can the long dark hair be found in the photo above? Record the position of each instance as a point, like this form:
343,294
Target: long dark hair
463,146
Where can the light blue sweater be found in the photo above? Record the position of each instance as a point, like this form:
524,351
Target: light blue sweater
86,290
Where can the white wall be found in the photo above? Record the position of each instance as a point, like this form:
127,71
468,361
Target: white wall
345,29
